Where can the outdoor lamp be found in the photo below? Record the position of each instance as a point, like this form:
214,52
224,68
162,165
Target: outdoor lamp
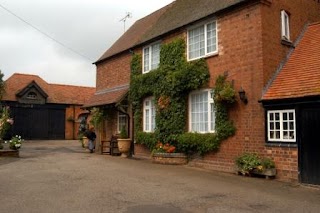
242,95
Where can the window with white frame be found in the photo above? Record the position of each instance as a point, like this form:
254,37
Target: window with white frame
285,25
281,126
201,112
122,121
202,40
151,57
149,115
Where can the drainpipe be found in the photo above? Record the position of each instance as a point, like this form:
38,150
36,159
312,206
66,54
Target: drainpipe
73,125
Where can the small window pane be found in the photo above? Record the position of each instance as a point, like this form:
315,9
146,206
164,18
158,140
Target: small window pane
285,116
291,116
291,125
272,135
291,133
272,126
271,117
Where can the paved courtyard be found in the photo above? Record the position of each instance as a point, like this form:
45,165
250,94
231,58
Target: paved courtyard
60,176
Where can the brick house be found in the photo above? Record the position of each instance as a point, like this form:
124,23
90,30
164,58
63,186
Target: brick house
44,111
292,103
248,39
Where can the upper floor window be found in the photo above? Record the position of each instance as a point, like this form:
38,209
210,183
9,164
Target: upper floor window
285,26
149,115
281,126
202,40
32,95
201,112
151,57
122,121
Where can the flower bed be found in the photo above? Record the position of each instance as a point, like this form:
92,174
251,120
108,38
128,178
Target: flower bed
9,153
170,158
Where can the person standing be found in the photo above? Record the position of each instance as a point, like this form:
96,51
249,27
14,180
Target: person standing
91,135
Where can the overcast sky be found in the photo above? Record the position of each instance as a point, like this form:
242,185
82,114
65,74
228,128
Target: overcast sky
89,27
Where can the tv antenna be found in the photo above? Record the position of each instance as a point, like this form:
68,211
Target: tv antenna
128,15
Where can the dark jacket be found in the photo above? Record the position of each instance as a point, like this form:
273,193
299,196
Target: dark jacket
90,135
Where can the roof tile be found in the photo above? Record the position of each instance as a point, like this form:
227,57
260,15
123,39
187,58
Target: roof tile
171,17
62,94
300,76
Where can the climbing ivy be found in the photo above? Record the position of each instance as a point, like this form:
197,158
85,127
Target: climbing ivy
170,85
224,97
98,115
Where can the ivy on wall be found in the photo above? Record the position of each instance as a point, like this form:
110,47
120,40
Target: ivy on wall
170,85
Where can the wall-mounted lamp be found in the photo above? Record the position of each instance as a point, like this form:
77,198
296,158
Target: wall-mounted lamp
242,95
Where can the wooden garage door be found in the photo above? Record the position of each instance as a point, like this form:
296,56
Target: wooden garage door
310,146
38,122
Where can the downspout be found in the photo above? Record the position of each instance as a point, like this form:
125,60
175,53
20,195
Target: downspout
73,125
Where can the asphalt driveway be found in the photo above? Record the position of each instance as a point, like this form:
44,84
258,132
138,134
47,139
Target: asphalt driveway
60,176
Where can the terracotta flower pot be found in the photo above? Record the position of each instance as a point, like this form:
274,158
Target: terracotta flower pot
124,146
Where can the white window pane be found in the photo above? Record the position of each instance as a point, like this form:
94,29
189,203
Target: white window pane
155,56
200,113
281,126
147,124
196,42
146,62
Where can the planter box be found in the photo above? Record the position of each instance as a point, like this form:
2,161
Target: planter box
268,173
9,153
170,158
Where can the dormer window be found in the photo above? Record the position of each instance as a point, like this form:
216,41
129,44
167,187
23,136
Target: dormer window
151,57
285,26
32,95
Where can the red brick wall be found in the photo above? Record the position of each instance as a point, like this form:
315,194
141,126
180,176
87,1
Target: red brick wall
113,72
72,127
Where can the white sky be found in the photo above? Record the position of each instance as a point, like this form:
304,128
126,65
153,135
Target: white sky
89,27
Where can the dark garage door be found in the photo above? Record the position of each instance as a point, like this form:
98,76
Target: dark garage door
39,122
310,146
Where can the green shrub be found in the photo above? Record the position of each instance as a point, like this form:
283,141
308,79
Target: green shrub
146,138
191,143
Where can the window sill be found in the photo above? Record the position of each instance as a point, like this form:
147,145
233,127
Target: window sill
281,144
205,56
287,43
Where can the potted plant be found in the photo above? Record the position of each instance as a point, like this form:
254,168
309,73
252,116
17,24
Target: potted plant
124,143
251,163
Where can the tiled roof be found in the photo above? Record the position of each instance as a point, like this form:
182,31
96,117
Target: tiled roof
300,76
108,96
134,34
59,94
175,15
